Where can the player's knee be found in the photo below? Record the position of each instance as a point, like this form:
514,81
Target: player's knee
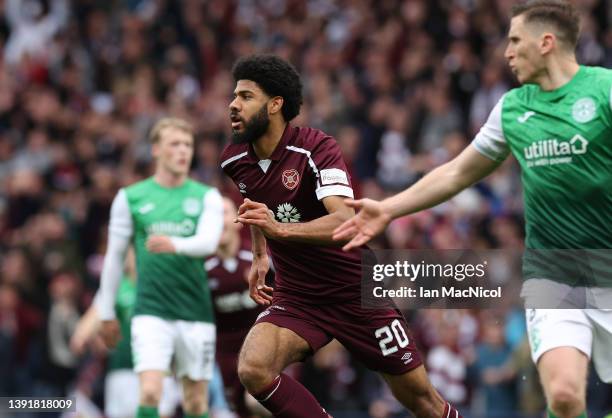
149,396
255,377
565,398
194,404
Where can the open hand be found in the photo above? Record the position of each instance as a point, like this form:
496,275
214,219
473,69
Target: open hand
370,221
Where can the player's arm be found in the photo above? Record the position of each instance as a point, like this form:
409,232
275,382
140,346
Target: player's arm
318,231
478,160
258,290
120,231
119,235
206,238
441,184
85,330
436,187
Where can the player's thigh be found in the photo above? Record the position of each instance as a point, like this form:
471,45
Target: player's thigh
271,347
152,343
195,350
554,328
379,338
121,394
602,342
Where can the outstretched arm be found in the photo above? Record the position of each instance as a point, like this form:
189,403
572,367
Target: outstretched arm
436,187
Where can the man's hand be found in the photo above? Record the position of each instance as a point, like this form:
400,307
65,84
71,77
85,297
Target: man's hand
258,214
258,290
160,244
370,221
110,333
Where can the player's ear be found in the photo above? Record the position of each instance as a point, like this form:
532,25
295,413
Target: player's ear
547,42
155,149
275,105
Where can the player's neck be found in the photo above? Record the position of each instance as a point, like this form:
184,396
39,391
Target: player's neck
558,73
230,249
167,179
267,143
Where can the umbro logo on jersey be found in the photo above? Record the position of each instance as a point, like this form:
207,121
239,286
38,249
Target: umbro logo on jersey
146,208
407,358
525,116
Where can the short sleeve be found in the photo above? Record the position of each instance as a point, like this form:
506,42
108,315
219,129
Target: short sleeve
490,140
333,178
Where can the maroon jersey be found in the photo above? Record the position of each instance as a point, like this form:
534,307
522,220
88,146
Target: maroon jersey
235,311
305,167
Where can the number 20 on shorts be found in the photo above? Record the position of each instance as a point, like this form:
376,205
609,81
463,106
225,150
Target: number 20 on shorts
387,334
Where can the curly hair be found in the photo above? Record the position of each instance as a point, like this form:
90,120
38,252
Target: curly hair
276,77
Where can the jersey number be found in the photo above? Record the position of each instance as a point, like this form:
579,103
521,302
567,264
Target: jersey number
385,336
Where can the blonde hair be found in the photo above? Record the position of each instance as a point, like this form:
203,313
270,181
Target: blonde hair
168,122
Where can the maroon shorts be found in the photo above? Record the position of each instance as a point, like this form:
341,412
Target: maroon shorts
377,337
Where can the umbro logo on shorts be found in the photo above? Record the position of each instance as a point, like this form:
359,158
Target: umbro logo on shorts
407,358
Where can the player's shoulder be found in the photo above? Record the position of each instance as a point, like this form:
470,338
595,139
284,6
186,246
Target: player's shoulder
233,152
198,186
598,78
598,73
141,187
522,93
309,139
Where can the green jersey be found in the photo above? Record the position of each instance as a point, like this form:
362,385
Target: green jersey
172,286
562,140
121,356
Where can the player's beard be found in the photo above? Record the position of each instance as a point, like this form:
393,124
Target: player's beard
254,128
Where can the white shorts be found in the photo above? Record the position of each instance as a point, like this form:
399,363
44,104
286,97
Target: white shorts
121,395
157,341
588,330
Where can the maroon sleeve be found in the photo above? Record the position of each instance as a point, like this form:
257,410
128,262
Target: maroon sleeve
334,179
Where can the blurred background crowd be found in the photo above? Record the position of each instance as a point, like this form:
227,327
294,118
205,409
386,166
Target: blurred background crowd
403,85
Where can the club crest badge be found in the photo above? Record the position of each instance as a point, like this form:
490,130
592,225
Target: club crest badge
584,110
291,178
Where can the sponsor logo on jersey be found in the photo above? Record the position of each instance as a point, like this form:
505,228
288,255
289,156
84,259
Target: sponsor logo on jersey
333,176
584,110
146,208
291,178
553,151
523,118
285,212
185,228
191,206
